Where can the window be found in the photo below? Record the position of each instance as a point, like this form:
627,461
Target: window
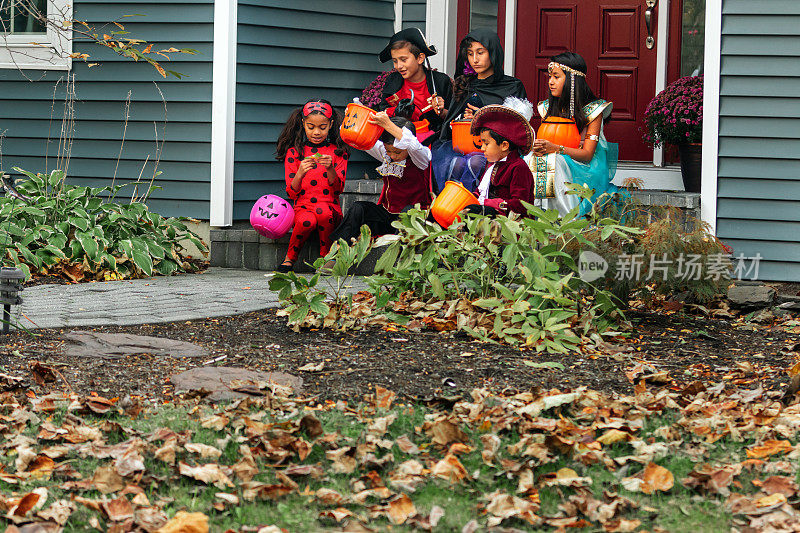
28,42
693,37
483,14
21,17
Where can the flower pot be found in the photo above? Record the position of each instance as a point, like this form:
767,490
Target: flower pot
453,198
356,130
691,165
463,140
560,131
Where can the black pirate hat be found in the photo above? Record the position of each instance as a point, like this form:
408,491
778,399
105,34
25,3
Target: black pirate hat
412,35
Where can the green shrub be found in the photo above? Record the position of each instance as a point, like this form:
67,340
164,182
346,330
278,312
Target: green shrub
671,246
506,278
72,231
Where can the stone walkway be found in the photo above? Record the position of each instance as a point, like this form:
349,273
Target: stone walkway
215,292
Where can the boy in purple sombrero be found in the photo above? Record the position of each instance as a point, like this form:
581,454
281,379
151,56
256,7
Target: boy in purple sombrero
506,135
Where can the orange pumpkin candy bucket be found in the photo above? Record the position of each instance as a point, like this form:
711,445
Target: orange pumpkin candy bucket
561,131
453,198
356,129
463,140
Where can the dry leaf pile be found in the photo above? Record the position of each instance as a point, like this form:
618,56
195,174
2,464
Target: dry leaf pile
507,454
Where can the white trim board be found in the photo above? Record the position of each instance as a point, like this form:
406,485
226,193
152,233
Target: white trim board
510,44
398,15
440,20
223,112
662,53
713,53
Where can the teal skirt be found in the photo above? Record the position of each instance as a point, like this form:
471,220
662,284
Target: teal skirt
597,174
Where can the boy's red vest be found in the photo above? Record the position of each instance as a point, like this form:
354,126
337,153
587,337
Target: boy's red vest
413,188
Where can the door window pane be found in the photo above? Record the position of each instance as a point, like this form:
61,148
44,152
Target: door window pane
22,16
693,37
483,14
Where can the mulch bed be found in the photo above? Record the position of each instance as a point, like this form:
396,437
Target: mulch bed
671,349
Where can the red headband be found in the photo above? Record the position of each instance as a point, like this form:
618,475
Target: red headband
320,107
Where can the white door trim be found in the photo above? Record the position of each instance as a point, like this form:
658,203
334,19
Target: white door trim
510,37
223,112
662,55
398,15
713,53
440,19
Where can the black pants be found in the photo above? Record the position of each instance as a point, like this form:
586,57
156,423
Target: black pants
477,209
376,217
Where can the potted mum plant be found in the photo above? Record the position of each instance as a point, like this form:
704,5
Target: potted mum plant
371,96
675,116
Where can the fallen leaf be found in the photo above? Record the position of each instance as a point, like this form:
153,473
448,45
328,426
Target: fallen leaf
204,450
400,509
107,480
450,468
118,509
207,473
768,448
184,522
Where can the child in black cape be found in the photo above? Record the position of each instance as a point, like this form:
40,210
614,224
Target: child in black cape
427,93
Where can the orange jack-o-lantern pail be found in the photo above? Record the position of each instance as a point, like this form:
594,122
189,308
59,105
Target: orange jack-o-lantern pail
561,131
356,130
463,140
453,198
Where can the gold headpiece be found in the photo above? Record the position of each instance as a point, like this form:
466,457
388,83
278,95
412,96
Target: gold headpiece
565,68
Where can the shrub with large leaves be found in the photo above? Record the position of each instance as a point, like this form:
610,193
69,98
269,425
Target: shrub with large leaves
80,232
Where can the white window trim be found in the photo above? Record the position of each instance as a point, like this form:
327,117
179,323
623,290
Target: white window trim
50,51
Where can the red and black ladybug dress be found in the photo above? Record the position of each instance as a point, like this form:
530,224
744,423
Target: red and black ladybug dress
316,204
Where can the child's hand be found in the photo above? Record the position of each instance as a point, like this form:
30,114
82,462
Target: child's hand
469,112
307,164
543,146
326,161
381,119
437,102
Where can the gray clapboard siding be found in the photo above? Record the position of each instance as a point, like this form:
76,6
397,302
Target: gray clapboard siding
414,15
758,206
31,114
288,53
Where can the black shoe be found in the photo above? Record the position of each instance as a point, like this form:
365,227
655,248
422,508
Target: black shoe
284,268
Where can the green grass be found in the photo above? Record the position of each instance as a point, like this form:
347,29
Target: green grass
680,509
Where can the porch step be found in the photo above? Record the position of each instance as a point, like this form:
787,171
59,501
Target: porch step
240,246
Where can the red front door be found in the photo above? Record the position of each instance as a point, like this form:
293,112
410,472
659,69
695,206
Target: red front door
611,36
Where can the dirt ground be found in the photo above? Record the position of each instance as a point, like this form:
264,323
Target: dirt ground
664,349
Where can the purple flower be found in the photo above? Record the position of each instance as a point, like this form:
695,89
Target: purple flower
675,115
468,70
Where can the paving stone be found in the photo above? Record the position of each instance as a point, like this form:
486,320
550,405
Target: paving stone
751,295
117,345
216,380
216,292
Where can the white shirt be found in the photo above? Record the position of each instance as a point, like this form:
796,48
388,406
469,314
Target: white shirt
486,180
420,155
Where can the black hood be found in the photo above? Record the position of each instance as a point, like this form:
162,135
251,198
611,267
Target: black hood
491,41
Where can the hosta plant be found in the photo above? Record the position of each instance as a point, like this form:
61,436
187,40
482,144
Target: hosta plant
55,228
